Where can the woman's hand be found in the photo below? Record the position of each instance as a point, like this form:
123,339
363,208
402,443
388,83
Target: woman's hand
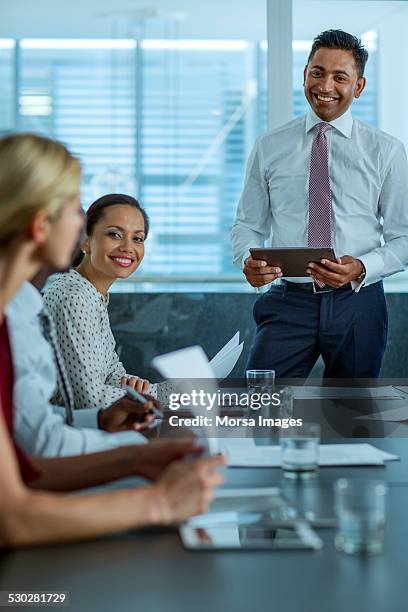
138,384
151,460
186,489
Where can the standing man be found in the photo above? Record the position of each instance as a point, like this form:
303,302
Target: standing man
325,179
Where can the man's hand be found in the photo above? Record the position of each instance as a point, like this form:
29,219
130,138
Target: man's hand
150,460
258,273
127,413
138,384
335,274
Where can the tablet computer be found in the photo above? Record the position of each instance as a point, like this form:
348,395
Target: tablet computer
296,535
249,519
293,261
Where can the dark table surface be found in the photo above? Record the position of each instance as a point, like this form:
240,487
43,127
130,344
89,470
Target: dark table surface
150,570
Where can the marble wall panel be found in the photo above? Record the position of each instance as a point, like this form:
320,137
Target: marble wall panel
147,324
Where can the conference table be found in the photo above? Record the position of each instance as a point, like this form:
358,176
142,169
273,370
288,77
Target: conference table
150,571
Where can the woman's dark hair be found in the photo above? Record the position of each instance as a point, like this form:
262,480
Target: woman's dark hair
96,211
337,39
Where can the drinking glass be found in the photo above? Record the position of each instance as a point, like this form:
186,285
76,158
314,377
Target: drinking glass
359,506
260,379
260,382
286,403
300,451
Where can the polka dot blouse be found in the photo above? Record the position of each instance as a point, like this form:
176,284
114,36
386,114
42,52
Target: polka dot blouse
86,340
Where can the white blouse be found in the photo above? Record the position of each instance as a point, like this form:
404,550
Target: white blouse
85,337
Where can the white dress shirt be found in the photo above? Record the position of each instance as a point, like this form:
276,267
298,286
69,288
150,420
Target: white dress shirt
39,427
369,182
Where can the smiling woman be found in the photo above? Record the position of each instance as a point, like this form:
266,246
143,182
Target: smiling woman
116,228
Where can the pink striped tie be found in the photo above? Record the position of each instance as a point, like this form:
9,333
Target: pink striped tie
320,201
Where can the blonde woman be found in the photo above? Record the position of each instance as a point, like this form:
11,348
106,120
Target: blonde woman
40,220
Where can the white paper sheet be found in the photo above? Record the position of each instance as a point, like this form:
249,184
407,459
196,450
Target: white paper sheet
238,443
224,365
386,456
329,455
231,344
305,393
190,371
224,361
234,516
395,415
402,388
187,363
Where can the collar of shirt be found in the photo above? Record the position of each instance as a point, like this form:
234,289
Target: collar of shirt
27,301
89,286
343,124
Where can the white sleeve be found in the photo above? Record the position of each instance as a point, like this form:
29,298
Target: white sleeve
88,417
40,431
392,256
252,224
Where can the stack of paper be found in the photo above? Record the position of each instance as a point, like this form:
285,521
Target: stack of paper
224,361
190,372
329,455
376,393
394,415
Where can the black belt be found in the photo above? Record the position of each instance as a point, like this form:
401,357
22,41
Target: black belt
289,286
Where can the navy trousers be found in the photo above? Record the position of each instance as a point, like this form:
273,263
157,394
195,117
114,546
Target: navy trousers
294,327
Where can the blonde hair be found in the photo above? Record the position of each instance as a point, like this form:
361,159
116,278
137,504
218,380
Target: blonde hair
36,173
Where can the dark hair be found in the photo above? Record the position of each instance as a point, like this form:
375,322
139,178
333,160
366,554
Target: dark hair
337,39
96,211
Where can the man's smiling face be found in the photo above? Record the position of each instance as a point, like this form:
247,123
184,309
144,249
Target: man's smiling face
331,82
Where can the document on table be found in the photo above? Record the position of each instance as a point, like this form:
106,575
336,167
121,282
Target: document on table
243,506
308,393
329,455
394,415
224,361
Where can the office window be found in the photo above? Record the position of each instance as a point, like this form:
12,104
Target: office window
83,93
174,120
7,89
199,120
171,121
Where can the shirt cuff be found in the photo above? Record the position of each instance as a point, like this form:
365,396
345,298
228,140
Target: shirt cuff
245,256
88,417
124,438
374,266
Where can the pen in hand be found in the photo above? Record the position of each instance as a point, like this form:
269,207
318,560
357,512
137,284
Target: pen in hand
140,398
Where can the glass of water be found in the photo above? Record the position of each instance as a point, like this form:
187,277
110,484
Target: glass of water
260,382
360,510
300,451
286,403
